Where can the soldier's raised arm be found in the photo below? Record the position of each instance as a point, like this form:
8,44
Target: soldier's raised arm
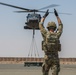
41,26
60,25
45,15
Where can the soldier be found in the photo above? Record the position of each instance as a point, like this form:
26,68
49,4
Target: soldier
51,44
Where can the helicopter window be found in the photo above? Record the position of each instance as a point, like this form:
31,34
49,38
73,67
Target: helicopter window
30,16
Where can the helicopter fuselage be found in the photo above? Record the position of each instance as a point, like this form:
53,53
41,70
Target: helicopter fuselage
32,21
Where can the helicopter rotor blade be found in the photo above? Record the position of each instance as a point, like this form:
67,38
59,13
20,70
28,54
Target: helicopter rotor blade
41,12
32,11
52,5
53,13
21,11
62,13
44,12
14,6
65,13
29,10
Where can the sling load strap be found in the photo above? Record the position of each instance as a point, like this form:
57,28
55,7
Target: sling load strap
33,47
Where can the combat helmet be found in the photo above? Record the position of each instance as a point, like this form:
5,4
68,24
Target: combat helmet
51,25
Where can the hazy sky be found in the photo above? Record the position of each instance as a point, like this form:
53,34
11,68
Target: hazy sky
15,41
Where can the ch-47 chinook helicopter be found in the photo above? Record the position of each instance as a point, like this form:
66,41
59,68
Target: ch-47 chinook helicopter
33,18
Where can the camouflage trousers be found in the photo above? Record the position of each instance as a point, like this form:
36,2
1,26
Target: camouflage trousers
51,61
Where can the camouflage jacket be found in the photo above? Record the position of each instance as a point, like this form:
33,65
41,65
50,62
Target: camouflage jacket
51,40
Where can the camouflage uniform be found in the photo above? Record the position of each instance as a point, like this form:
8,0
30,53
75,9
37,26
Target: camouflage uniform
51,45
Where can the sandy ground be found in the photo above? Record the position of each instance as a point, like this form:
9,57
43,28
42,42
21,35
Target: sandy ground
19,69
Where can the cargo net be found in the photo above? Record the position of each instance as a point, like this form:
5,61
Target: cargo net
33,55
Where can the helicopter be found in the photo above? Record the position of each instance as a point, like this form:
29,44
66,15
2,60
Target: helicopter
33,18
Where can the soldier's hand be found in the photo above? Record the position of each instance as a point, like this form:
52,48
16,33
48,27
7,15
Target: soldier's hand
55,12
46,14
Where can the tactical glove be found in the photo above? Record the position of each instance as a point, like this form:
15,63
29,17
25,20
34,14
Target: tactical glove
55,12
46,14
